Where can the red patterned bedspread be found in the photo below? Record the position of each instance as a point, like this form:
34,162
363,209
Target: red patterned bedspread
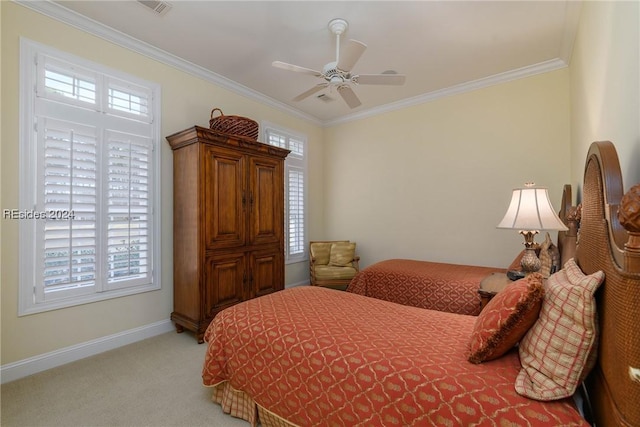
315,356
424,284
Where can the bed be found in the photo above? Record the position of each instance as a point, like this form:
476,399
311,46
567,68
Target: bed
424,284
313,356
451,287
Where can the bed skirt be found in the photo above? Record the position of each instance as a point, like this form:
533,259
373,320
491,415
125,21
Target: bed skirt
240,405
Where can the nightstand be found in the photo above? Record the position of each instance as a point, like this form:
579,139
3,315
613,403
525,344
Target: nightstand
491,285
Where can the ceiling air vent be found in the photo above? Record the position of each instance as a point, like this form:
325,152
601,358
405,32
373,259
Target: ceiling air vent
159,7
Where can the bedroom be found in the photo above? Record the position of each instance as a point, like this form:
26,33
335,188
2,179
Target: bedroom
596,97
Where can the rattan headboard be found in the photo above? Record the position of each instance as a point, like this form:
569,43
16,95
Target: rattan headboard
604,244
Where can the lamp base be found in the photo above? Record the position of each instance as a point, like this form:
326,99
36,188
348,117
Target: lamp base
530,262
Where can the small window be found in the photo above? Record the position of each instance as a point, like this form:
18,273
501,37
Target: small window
66,82
127,99
89,182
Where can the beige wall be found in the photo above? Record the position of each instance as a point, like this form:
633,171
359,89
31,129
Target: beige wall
186,101
433,181
605,85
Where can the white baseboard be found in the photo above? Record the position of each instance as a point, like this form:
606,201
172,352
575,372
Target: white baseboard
33,365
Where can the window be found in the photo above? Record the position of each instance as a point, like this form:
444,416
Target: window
295,193
89,184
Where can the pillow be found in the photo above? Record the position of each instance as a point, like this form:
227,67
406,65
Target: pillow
342,254
506,319
320,251
559,350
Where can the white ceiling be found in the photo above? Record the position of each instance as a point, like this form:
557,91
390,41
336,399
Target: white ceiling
441,46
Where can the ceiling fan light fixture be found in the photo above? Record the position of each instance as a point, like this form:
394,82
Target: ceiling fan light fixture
338,74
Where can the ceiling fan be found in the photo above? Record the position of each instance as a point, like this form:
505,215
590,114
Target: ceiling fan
337,74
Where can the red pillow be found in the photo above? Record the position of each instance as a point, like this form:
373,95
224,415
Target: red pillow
506,319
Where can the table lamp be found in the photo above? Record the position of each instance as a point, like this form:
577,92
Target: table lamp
530,211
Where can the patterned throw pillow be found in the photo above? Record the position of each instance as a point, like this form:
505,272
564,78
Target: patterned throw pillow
342,254
506,319
559,350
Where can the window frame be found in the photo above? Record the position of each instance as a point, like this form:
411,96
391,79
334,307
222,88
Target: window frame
36,106
293,162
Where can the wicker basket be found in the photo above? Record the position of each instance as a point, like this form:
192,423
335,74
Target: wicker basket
233,125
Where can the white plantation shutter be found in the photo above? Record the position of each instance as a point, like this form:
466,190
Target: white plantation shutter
89,186
128,207
295,173
295,210
67,237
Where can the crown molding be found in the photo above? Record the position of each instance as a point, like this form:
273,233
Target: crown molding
67,16
74,19
543,67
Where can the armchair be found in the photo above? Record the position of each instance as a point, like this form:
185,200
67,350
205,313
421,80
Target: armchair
333,263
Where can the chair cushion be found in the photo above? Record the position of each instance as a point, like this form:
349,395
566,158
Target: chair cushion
506,319
320,251
559,350
328,272
342,254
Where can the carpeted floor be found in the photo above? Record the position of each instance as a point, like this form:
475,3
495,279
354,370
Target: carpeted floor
155,382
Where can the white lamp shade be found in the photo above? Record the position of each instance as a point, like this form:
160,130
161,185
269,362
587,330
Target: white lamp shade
530,209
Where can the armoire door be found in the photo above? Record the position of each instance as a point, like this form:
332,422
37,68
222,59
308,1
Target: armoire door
267,272
266,199
224,198
225,282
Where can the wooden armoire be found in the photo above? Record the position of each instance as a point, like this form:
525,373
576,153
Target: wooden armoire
228,223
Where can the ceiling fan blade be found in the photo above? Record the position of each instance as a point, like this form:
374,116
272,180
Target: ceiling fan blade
379,79
349,96
350,54
311,91
296,68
